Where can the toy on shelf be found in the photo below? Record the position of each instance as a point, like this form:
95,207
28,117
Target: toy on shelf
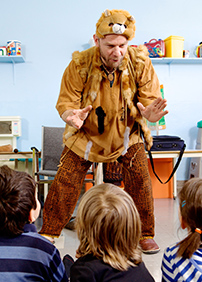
174,46
199,50
156,48
2,50
13,48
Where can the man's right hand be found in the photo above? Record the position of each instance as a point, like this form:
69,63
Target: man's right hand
76,118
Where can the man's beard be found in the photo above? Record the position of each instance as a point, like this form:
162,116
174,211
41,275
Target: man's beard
110,65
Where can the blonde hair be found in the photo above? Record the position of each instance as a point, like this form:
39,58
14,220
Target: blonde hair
108,226
190,205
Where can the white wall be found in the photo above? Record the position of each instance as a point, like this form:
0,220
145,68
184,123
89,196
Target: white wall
51,30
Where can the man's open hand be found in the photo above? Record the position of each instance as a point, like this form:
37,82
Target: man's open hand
76,118
155,111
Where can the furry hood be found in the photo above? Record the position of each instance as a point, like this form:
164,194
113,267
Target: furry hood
116,22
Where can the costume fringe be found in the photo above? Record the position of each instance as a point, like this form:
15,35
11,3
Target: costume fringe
126,140
88,148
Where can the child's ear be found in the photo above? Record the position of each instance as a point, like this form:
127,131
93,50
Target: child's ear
32,216
183,223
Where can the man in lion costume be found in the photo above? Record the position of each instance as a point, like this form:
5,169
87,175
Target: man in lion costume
107,93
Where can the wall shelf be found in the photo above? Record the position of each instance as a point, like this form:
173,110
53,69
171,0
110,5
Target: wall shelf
169,61
12,59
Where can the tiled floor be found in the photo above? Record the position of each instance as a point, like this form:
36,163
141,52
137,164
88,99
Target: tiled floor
167,232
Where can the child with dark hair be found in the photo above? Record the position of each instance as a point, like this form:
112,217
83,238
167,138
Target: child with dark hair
183,261
24,254
109,229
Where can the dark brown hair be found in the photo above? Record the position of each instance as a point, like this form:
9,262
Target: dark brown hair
190,205
17,198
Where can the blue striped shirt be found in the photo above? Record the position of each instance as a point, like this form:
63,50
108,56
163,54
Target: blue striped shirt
178,269
30,257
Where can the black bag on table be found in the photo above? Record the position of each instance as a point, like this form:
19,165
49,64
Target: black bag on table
167,143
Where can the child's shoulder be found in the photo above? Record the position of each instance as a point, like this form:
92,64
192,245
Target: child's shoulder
95,269
37,240
171,251
88,260
172,248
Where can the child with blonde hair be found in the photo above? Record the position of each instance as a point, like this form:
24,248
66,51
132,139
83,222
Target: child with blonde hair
109,228
183,260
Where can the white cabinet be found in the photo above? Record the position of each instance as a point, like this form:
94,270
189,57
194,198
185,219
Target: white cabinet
10,129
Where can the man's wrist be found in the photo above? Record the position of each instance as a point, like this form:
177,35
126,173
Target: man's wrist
65,115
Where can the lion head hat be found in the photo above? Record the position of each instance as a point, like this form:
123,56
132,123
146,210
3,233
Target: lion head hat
116,22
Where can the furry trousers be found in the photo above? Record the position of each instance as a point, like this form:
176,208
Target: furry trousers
66,188
137,183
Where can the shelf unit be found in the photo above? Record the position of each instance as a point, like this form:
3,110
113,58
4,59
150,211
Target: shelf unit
169,61
12,60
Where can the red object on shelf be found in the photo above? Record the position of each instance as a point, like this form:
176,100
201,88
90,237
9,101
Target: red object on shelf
156,48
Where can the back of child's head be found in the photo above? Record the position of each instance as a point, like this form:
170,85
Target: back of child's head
108,226
190,205
17,198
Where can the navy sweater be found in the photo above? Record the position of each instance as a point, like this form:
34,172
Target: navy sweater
30,257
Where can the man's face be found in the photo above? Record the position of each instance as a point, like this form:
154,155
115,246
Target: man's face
112,49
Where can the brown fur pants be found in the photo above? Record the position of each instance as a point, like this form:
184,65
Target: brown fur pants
66,187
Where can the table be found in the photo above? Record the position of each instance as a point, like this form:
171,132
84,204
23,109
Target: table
20,155
156,155
174,155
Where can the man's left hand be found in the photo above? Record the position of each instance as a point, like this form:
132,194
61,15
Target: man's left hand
155,111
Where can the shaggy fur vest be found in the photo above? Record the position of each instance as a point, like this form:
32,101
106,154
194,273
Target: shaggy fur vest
88,64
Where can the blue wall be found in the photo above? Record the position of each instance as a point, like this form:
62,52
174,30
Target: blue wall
51,30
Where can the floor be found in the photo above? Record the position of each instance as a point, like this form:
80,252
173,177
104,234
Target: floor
167,232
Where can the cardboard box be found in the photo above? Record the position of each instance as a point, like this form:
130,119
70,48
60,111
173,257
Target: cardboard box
174,46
